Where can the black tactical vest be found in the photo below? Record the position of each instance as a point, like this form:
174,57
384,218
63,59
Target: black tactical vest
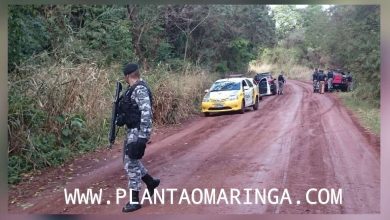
130,107
321,77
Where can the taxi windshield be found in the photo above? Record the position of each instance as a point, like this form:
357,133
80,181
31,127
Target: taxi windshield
225,86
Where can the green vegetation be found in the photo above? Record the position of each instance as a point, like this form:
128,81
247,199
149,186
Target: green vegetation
369,115
345,37
342,36
64,61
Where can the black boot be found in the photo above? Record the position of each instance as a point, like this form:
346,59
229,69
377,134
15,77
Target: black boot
151,183
132,207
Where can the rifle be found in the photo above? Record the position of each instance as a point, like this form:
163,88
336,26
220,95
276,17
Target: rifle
114,115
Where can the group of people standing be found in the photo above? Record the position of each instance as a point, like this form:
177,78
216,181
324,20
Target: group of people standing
320,78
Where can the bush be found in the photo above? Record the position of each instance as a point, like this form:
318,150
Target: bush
27,34
240,53
177,95
222,67
57,112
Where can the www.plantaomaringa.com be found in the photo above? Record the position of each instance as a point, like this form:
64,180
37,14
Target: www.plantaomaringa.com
198,196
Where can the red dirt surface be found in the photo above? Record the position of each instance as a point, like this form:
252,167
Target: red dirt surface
297,141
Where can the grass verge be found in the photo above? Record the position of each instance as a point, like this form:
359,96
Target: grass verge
367,112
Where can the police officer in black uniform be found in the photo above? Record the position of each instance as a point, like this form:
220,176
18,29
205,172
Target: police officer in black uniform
136,114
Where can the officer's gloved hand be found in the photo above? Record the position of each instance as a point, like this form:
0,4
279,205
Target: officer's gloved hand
141,145
142,142
136,150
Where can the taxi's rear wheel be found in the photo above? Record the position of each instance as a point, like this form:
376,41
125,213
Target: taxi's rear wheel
206,114
242,110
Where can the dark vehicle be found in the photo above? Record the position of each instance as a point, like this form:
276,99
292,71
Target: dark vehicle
266,83
340,82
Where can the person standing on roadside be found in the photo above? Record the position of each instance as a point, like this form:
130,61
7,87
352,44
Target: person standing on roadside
136,113
349,81
281,82
321,78
315,79
330,80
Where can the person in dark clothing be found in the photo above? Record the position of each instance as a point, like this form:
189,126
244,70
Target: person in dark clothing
349,81
137,111
321,78
315,79
330,80
315,74
281,82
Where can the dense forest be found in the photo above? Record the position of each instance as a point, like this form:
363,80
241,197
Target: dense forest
63,61
345,37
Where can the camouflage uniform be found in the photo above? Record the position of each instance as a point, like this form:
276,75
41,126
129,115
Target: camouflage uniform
330,81
134,168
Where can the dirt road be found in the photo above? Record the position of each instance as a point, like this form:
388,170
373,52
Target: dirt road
296,141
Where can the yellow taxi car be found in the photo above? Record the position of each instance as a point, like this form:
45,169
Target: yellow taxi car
231,94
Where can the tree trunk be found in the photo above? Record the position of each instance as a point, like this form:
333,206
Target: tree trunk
185,48
137,31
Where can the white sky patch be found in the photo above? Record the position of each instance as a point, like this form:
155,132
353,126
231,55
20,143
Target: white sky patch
301,6
324,7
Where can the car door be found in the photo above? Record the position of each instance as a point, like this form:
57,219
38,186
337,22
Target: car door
247,93
251,89
263,86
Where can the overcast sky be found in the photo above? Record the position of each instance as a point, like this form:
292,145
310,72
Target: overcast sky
304,6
